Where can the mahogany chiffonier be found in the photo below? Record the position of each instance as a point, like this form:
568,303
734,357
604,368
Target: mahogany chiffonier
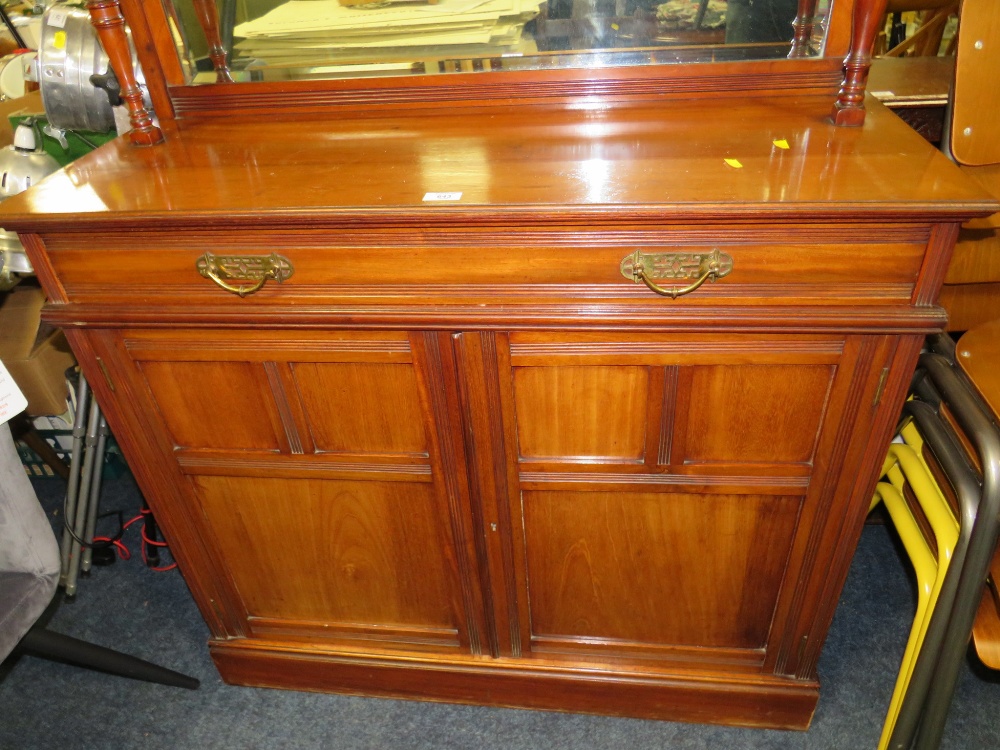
562,388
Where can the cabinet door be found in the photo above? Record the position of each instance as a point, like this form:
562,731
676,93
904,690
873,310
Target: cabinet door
315,463
657,488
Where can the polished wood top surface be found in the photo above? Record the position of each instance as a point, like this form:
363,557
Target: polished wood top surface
687,160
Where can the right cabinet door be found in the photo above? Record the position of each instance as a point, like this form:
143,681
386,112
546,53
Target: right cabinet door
660,490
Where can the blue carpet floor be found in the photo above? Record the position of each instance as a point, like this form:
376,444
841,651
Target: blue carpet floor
128,607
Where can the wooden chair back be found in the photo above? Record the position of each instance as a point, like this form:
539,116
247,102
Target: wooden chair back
975,131
972,287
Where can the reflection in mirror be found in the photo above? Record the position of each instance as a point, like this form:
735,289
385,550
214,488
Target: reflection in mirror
268,40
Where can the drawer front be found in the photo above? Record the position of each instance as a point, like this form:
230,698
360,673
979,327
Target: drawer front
512,270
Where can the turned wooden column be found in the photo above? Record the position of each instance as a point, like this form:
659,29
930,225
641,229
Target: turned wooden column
208,18
106,16
803,24
850,106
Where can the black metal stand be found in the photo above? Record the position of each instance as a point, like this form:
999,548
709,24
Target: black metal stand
149,534
45,643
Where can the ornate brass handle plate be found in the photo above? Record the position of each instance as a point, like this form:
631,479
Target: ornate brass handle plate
698,268
254,268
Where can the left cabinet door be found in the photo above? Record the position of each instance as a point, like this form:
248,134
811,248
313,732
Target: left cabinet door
316,467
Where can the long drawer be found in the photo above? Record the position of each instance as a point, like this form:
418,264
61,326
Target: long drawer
807,267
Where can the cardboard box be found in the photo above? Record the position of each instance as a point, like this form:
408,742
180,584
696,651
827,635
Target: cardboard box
36,354
29,104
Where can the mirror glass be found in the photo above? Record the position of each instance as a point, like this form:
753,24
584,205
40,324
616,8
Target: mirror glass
274,40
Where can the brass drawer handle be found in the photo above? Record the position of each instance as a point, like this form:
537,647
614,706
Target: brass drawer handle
702,267
256,268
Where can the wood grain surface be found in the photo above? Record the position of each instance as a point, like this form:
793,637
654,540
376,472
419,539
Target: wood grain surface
634,165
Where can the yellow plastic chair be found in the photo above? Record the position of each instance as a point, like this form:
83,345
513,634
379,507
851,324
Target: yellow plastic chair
904,466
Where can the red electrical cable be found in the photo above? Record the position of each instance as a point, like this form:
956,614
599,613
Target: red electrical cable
123,551
146,540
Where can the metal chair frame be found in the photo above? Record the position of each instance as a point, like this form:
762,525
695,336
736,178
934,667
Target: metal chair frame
905,467
922,716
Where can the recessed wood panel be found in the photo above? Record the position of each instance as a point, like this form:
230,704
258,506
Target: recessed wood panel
581,412
753,413
353,553
362,407
656,569
215,404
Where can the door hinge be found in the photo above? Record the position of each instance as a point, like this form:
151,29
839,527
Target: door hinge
107,375
881,387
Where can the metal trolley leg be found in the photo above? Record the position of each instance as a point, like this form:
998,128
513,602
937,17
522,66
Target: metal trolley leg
83,491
